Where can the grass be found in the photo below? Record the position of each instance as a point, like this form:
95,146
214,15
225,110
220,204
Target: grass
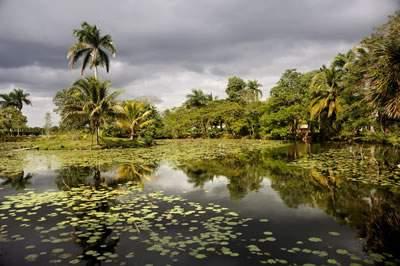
68,141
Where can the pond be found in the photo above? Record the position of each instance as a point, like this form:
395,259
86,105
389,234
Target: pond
291,204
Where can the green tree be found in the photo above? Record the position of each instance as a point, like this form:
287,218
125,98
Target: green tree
235,88
64,100
135,116
197,98
356,117
252,92
16,98
11,118
384,78
93,101
325,91
92,47
287,105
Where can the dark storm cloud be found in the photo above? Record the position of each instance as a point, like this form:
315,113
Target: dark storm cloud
165,48
15,54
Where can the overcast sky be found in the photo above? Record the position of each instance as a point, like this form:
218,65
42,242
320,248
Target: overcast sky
167,47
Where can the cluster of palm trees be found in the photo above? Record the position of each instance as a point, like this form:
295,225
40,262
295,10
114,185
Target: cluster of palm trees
90,100
377,82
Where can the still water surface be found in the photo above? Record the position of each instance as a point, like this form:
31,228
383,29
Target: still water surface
298,205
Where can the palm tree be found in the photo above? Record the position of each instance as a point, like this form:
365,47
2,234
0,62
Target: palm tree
325,88
93,101
384,78
16,98
92,47
253,87
197,98
135,116
342,62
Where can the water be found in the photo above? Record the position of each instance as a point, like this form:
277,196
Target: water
293,205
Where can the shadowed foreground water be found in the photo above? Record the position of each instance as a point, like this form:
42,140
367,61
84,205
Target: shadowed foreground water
298,205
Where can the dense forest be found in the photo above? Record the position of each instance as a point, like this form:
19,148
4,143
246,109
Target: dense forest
355,97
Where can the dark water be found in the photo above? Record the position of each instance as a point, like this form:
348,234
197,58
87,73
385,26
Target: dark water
312,215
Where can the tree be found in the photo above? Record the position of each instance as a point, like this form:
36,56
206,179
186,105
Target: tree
92,101
287,105
384,78
325,90
235,88
135,116
92,47
11,118
253,91
197,98
64,101
16,98
47,123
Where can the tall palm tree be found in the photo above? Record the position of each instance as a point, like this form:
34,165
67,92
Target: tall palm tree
93,101
92,47
253,87
135,116
384,78
197,98
16,98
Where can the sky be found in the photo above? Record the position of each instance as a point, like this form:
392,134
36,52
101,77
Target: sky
166,48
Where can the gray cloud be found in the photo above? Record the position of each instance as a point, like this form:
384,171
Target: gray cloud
166,48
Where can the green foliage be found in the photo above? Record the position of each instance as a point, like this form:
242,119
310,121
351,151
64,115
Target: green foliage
11,118
240,91
197,98
235,88
252,92
286,108
219,118
136,117
384,77
354,97
89,100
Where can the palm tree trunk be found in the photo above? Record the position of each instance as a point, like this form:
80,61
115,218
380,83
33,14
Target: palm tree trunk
132,134
95,72
97,135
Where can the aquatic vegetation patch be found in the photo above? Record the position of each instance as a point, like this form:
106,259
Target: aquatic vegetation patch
99,220
354,164
12,162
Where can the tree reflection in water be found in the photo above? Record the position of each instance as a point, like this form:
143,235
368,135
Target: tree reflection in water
94,234
109,176
94,231
372,210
